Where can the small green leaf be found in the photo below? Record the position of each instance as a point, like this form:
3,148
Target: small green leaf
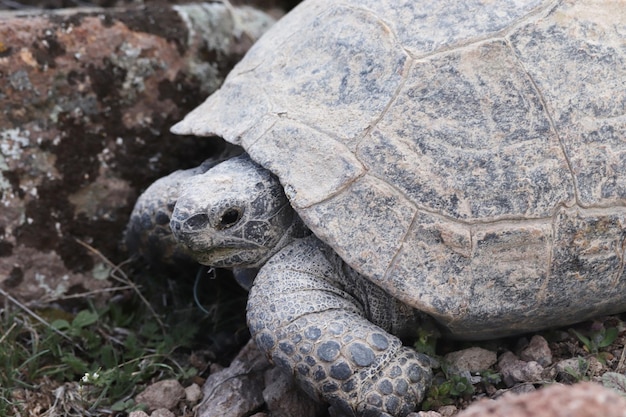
108,356
123,405
609,337
60,324
78,366
585,340
84,319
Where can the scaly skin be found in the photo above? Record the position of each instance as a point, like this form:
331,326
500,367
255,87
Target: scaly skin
302,311
312,315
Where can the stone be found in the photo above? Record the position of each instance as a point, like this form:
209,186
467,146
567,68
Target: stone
514,370
284,398
580,400
538,351
87,100
162,394
447,410
193,393
572,369
236,391
474,359
424,414
162,412
138,414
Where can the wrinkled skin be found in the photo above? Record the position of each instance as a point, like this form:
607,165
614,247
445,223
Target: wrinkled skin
236,215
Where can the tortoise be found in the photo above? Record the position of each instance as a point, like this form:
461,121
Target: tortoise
460,160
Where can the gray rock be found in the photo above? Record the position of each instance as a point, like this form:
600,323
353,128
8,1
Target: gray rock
514,370
193,393
235,391
162,412
538,351
572,369
447,410
284,399
473,359
424,414
163,394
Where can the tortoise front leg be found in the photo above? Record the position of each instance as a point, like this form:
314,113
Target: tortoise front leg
316,331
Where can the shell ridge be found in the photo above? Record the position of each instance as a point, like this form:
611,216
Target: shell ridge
549,115
391,102
538,12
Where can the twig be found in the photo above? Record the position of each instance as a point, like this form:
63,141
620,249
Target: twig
115,269
86,294
4,336
39,318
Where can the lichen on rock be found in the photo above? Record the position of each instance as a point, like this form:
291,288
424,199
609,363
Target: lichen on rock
87,99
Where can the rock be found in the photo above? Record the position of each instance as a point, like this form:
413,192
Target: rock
424,414
249,382
162,412
193,393
236,391
447,410
284,399
138,414
522,388
538,351
595,367
162,394
572,369
473,359
581,400
87,99
514,370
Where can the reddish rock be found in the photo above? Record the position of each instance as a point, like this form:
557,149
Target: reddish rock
86,101
581,400
538,351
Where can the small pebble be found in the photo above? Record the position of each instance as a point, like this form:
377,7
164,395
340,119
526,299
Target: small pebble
538,351
474,359
447,410
424,414
162,394
193,393
162,412
514,370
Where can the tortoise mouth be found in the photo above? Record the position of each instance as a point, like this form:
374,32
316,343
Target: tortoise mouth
219,253
218,257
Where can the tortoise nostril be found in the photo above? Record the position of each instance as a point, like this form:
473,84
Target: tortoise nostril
197,221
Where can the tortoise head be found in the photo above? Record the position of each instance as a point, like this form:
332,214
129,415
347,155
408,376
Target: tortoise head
234,215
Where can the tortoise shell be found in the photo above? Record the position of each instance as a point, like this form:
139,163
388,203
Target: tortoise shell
467,157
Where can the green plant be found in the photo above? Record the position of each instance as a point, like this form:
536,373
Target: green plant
426,338
102,355
580,372
489,376
598,337
446,392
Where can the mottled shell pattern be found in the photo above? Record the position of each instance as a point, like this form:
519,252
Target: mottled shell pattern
467,156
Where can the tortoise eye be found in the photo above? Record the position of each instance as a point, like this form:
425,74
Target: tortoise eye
229,218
